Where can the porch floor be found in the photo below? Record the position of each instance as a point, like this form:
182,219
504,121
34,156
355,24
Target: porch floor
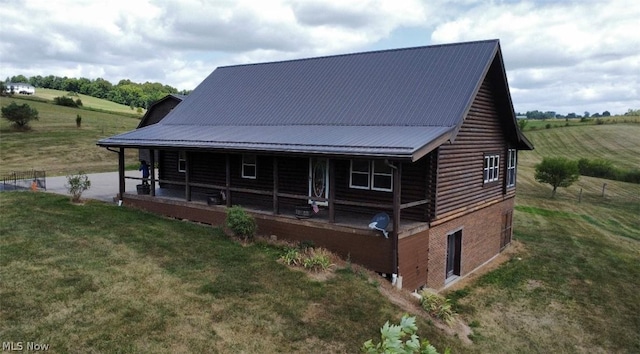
342,218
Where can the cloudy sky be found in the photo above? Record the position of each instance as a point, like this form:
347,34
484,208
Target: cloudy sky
563,56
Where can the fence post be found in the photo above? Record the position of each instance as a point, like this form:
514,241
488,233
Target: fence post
604,187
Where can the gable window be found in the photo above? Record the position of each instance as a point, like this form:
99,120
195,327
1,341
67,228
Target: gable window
511,167
360,174
491,168
381,176
371,175
249,169
182,161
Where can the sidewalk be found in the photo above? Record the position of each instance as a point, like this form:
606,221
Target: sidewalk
104,186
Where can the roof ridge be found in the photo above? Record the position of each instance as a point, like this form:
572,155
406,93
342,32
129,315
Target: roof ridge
361,53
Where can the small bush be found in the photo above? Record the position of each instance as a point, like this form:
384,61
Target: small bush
547,126
241,224
76,185
437,306
292,257
65,101
78,120
19,115
78,102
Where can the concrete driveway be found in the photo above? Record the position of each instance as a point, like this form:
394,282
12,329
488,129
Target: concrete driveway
104,186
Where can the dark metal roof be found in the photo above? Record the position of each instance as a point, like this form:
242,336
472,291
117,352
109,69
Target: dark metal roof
383,102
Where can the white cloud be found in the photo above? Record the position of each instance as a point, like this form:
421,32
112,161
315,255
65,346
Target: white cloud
559,55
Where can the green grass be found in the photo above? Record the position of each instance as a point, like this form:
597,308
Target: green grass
572,286
99,278
56,145
537,124
87,101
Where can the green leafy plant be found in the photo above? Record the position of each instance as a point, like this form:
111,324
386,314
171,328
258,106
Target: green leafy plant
292,257
19,115
437,306
557,171
78,120
400,338
241,223
76,185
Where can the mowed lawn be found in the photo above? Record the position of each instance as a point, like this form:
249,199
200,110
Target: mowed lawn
56,145
99,278
87,101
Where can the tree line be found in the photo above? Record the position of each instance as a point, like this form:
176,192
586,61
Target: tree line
535,114
124,92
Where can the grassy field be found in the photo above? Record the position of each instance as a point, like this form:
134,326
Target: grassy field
96,277
56,145
87,101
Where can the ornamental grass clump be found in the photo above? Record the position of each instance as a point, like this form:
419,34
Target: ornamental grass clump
437,306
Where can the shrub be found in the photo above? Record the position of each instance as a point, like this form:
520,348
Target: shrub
79,102
241,224
76,185
65,101
400,338
547,126
437,306
596,168
19,115
78,120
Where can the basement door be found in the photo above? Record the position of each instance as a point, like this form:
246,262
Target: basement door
454,253
318,179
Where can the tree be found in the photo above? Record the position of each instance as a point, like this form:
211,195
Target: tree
586,114
19,116
606,114
76,184
558,172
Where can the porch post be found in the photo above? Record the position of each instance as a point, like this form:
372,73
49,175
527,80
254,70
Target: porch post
152,160
187,186
276,207
121,184
397,192
332,190
228,180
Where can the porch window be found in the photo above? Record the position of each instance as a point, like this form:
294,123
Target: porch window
491,168
360,174
371,175
511,167
381,177
182,161
249,169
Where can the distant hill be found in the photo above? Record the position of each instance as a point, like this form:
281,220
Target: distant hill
87,101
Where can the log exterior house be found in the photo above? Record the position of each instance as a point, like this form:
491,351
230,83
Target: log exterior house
427,135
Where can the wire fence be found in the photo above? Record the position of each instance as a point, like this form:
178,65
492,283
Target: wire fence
25,180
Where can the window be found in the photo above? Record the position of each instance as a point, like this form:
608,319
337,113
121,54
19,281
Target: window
249,169
360,174
381,176
371,175
491,168
511,167
182,161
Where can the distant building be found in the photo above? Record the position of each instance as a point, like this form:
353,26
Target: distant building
20,87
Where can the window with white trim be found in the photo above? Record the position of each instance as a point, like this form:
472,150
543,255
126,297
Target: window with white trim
360,175
371,175
249,166
182,161
491,168
381,176
511,167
